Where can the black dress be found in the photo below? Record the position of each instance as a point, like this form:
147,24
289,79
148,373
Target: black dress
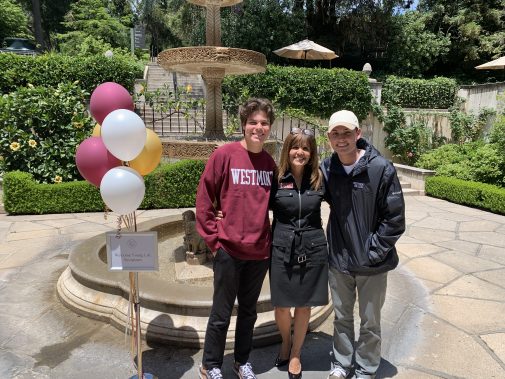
299,264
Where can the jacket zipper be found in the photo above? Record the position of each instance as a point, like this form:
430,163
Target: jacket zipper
299,209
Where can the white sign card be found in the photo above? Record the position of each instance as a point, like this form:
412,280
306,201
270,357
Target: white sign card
136,251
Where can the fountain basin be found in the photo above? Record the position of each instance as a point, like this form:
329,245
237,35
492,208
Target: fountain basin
175,301
193,60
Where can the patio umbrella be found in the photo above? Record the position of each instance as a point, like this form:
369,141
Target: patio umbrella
306,49
497,64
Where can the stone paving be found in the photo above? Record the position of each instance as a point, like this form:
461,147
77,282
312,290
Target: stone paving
443,317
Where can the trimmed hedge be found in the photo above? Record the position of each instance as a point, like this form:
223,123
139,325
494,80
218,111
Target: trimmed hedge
317,91
173,185
438,93
481,195
51,69
23,195
169,186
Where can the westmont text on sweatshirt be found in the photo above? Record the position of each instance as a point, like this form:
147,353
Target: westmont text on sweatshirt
238,183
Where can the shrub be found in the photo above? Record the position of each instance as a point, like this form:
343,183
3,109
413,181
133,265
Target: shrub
169,186
23,195
493,198
173,185
438,93
459,170
445,154
468,127
497,133
474,161
40,129
465,192
486,165
406,142
52,69
317,91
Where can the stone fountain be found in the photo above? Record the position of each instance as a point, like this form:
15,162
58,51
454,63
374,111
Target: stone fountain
213,62
176,300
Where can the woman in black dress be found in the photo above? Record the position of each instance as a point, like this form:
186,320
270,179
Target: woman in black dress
299,264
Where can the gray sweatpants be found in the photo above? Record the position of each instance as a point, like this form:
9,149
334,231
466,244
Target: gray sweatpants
371,291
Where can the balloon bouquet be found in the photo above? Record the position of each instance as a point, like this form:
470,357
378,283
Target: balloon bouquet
120,151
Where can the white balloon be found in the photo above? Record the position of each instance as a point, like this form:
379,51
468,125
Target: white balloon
124,134
122,189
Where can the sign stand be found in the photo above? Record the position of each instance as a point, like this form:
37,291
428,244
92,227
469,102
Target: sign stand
136,331
133,252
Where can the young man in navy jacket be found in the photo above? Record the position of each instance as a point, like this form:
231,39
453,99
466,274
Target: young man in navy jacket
367,217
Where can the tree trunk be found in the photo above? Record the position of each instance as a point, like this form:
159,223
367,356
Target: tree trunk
37,24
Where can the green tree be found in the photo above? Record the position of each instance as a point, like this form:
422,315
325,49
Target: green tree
47,16
186,22
358,30
91,28
262,25
414,50
13,20
159,17
476,29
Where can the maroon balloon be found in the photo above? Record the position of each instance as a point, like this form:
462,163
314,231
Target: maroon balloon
94,160
108,97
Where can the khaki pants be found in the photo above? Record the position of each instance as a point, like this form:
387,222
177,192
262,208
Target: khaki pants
371,291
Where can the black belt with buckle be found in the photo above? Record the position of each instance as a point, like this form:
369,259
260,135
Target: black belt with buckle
301,258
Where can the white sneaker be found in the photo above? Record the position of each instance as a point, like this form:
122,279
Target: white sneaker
244,371
214,373
337,373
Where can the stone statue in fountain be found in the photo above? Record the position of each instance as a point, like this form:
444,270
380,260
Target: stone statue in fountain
196,249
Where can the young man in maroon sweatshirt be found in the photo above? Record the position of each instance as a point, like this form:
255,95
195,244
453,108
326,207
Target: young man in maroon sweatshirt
237,181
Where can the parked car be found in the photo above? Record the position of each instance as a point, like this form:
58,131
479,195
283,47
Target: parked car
16,45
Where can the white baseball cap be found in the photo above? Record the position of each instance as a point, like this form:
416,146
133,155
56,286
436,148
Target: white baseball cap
344,118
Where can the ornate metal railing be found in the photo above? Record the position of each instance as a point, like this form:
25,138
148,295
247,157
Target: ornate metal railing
170,121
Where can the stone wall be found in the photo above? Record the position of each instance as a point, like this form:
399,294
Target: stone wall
435,119
482,96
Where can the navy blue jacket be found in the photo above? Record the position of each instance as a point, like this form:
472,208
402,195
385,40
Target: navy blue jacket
367,213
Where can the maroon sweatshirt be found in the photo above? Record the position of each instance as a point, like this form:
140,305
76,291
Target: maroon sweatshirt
238,182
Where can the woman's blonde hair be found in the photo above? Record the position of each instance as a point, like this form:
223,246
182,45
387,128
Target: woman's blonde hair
301,139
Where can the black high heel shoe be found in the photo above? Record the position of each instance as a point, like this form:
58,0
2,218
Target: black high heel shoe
279,362
295,376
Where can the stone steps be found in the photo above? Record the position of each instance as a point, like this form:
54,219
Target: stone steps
158,78
407,188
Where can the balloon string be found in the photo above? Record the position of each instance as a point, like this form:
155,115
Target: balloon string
129,220
118,231
132,320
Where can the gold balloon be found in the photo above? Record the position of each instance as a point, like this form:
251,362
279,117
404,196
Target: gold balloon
150,156
97,130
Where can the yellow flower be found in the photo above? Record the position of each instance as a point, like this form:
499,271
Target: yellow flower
57,179
189,88
15,146
32,143
78,125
